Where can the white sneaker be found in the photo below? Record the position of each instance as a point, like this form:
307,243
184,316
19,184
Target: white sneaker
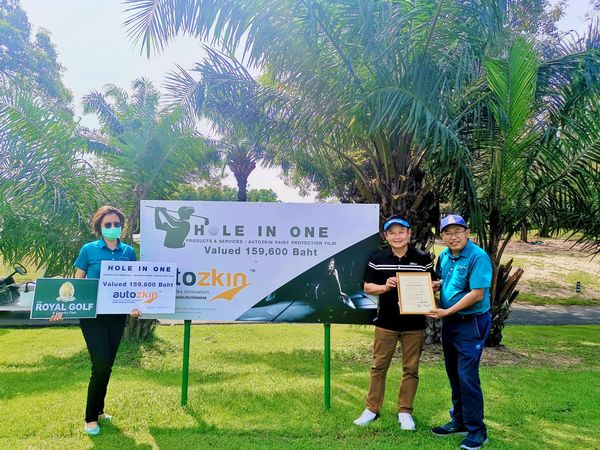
406,422
365,418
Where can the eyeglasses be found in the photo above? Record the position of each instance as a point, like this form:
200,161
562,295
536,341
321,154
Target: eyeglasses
113,224
453,234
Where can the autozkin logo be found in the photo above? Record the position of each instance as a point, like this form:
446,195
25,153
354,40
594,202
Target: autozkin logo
143,296
235,282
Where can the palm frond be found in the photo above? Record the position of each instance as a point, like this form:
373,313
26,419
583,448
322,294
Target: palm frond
95,103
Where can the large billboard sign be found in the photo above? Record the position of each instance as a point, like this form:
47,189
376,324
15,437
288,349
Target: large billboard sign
288,262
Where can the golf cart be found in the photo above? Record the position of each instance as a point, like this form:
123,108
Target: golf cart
9,290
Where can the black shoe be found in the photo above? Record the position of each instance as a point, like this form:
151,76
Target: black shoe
450,428
473,441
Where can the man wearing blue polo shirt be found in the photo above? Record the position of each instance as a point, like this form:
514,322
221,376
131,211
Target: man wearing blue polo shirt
466,277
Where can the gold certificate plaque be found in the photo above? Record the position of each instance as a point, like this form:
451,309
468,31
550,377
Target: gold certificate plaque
415,293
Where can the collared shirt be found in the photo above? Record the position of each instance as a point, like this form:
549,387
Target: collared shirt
470,269
383,265
93,253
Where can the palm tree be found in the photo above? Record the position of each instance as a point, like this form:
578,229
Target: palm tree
226,105
356,89
48,191
397,103
533,132
148,151
240,157
353,96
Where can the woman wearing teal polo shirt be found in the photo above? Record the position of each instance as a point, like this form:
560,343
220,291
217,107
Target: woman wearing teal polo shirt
103,334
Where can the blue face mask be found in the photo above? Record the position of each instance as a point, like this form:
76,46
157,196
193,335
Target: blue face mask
111,233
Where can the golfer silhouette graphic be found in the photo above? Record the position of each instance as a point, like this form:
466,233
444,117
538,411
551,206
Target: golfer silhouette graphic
176,229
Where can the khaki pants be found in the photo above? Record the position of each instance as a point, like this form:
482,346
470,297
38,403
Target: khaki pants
411,343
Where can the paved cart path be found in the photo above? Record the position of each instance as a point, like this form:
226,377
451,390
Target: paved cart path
525,314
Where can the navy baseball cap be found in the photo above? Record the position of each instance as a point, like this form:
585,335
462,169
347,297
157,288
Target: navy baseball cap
452,219
395,220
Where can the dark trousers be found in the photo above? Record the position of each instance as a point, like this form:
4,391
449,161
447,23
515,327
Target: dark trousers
102,336
463,340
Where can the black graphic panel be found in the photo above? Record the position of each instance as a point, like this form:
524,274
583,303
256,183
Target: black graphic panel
330,292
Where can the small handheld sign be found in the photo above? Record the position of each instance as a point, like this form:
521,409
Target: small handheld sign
144,285
75,298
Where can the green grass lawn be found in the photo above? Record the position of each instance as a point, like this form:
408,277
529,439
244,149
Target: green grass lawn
261,386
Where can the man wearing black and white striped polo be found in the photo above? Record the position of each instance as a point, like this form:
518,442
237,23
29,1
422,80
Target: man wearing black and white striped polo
390,327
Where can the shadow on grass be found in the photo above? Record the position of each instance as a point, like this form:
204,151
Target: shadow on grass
277,430
112,436
204,435
52,373
131,353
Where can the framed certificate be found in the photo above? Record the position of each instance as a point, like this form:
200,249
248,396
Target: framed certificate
415,293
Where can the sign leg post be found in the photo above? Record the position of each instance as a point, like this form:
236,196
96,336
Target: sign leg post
327,366
186,361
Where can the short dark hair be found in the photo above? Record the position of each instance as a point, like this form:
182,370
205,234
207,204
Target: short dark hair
105,211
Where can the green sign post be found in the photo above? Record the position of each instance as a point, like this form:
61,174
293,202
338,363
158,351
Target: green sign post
75,298
186,362
327,367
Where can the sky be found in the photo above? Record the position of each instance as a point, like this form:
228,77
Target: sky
92,45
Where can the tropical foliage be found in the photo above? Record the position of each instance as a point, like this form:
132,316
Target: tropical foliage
147,152
353,94
213,189
206,94
405,103
533,132
48,191
27,61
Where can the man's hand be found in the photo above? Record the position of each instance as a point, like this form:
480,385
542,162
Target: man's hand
436,285
438,313
391,283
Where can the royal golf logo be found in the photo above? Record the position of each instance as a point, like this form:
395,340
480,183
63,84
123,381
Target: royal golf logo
147,286
73,298
232,255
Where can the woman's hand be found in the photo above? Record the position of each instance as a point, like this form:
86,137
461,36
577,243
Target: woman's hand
135,313
56,317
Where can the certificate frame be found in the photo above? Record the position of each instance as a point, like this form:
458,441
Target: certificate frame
422,281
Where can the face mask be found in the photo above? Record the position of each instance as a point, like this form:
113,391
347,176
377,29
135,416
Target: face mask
111,233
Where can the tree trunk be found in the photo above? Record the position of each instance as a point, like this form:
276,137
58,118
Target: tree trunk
242,183
421,208
524,233
433,332
132,224
139,330
501,299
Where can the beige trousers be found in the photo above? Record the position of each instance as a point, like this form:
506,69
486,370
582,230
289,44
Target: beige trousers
411,343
